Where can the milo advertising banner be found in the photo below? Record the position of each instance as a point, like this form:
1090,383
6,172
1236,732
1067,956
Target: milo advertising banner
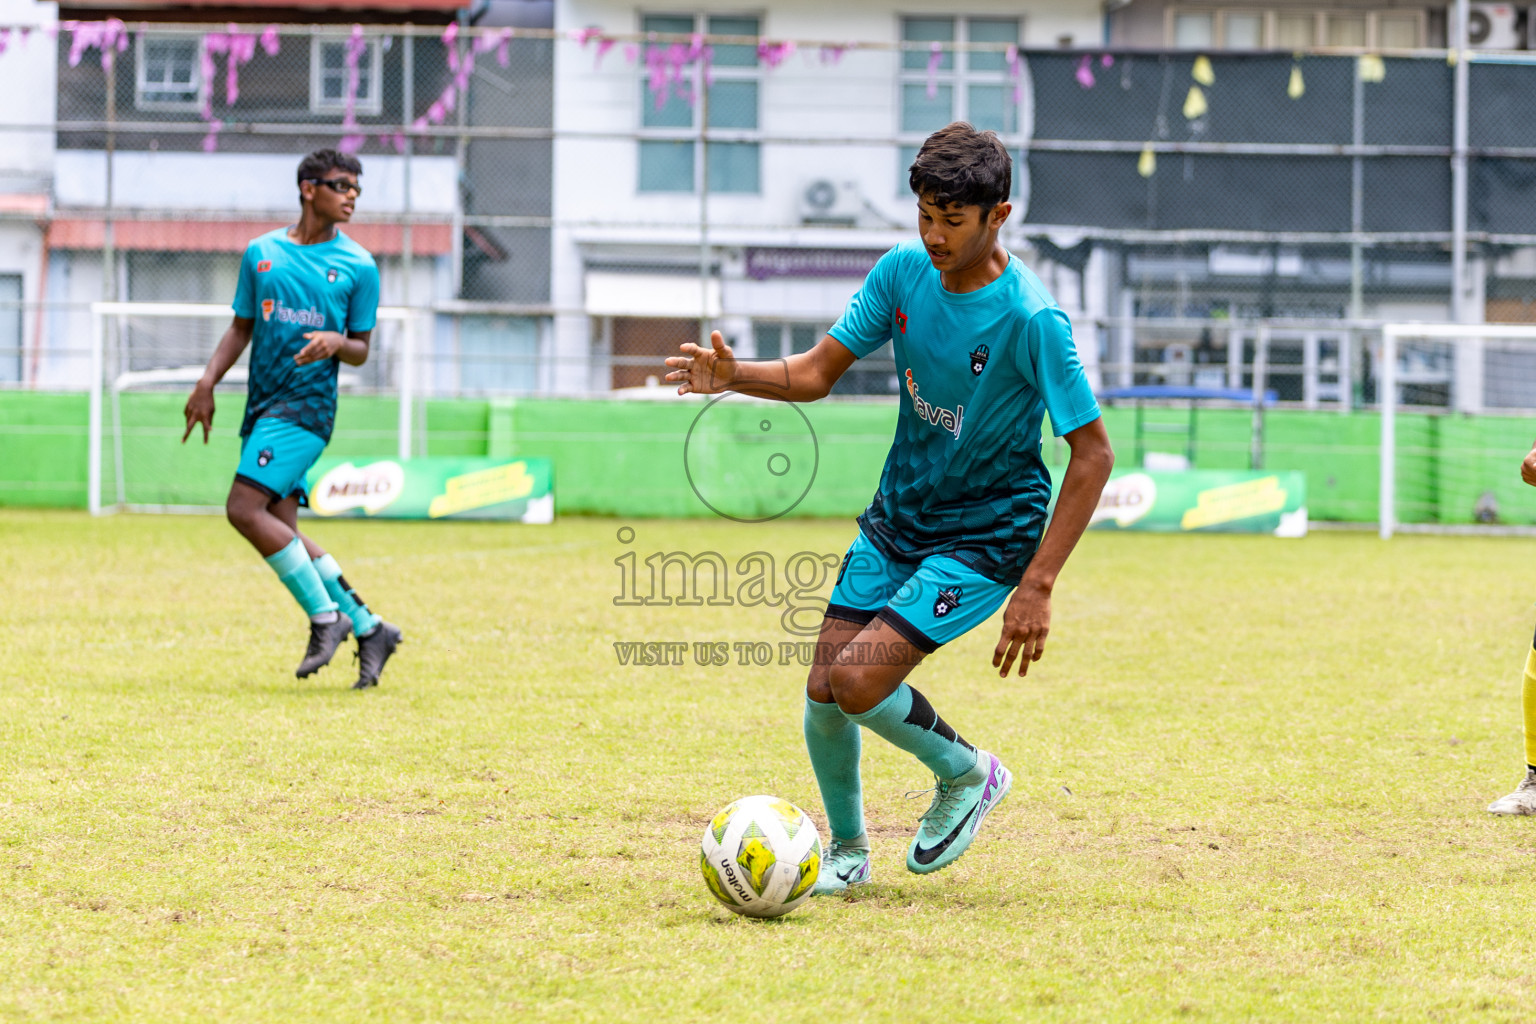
519,490
1207,501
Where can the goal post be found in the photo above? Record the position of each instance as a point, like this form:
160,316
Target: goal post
1458,404
137,463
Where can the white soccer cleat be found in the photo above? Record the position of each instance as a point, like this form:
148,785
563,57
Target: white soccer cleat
1521,801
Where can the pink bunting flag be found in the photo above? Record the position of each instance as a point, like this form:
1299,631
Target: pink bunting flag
1084,72
935,58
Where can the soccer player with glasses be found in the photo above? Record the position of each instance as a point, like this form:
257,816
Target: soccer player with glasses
958,522
305,303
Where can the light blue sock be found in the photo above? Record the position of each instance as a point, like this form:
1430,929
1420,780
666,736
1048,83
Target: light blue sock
909,721
298,574
345,597
833,743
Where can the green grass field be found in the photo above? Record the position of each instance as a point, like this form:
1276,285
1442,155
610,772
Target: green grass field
1251,776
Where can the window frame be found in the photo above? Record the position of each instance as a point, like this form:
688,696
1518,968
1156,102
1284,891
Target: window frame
1270,17
959,76
370,105
141,85
693,132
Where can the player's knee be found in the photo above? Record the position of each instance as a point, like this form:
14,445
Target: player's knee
817,687
239,513
844,679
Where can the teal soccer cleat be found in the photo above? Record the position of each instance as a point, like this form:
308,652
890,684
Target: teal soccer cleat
843,866
955,816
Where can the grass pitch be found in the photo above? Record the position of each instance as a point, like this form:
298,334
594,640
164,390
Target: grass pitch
1251,776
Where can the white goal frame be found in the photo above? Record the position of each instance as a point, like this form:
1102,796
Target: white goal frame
1391,335
103,392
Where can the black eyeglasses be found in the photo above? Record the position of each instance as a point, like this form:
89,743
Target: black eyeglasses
340,186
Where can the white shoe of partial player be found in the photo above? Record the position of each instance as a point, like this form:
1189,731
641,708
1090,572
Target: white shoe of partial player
1521,801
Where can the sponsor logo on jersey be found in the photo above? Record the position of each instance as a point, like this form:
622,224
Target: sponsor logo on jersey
263,266
331,275
947,601
950,420
979,360
901,320
275,310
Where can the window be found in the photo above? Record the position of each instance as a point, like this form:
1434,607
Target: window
1293,29
965,85
669,156
330,77
10,328
169,72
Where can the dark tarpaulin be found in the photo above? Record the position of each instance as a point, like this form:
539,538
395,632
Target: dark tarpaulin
1140,98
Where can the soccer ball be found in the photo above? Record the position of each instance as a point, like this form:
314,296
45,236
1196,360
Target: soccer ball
761,856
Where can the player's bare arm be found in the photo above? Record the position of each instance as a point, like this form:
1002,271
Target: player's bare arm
803,377
351,348
1027,619
199,408
1528,468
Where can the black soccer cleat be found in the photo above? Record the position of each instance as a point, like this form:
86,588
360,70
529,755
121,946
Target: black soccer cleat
373,650
324,638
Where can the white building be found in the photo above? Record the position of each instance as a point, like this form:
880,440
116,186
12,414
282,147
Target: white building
808,150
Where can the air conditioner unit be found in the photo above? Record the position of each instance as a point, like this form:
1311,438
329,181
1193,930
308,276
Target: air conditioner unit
1491,26
824,201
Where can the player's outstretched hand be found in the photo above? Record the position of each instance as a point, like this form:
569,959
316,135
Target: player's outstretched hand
703,371
1528,468
199,410
322,345
1026,622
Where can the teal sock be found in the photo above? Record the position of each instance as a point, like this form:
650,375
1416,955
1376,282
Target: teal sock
909,721
298,574
345,597
833,743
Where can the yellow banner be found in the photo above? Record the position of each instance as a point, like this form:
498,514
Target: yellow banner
482,488
1235,501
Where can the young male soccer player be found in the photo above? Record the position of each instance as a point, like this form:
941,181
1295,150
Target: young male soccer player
957,521
300,288
1523,799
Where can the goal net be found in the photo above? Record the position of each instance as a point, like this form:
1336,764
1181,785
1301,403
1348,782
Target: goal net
1458,414
145,358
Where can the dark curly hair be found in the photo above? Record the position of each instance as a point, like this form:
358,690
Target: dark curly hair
960,166
316,164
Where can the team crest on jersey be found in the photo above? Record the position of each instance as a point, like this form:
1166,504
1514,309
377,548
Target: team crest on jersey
331,275
947,601
264,456
979,360
263,266
267,306
901,320
950,419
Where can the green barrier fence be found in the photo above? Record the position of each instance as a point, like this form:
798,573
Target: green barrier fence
615,457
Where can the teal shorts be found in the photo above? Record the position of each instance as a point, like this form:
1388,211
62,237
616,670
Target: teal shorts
276,456
929,603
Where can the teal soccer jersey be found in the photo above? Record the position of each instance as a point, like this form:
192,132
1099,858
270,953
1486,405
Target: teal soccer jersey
978,370
290,290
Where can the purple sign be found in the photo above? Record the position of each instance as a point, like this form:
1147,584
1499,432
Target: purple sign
765,263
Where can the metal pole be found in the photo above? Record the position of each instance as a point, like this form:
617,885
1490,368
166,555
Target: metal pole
408,114
1386,513
93,443
460,157
407,387
108,242
1356,252
1459,168
1260,372
704,267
